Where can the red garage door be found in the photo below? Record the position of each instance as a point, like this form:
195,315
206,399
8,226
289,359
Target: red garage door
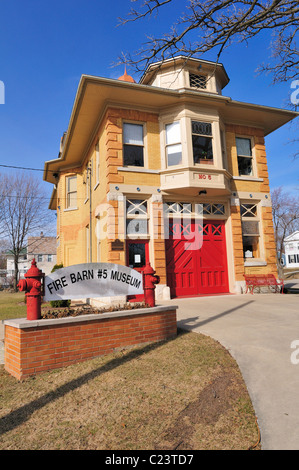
195,268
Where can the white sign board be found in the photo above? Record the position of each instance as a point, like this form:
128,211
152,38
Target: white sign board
89,280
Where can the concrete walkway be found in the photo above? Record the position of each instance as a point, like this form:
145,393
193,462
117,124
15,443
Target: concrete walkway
258,330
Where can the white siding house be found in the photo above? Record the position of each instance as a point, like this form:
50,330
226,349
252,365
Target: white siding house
42,248
291,244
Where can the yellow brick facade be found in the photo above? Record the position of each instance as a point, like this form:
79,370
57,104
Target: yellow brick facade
251,187
102,218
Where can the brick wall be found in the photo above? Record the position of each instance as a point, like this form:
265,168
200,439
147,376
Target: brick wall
32,347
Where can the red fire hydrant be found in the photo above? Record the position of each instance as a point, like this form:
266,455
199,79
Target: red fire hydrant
149,281
32,285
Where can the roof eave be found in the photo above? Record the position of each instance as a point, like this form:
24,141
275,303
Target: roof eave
155,98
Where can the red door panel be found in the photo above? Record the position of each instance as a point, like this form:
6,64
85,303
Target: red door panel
180,268
212,260
196,266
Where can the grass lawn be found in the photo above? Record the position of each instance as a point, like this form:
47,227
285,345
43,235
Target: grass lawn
12,305
183,394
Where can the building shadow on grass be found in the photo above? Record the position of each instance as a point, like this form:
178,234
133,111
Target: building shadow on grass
19,416
22,414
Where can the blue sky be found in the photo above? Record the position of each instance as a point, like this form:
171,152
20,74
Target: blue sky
45,47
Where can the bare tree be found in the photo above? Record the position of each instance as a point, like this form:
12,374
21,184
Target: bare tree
215,24
23,210
285,210
3,250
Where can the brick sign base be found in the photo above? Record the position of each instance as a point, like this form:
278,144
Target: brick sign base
32,347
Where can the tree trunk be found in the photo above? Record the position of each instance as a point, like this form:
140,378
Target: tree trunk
16,274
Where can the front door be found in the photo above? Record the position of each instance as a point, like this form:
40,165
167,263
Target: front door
192,268
137,258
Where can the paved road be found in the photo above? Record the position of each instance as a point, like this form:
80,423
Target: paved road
258,330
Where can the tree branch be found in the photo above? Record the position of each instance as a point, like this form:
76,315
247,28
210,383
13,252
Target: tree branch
216,24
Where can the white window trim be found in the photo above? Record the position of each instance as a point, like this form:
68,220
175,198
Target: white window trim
168,119
67,192
179,142
212,137
137,216
254,175
215,122
194,213
145,154
258,218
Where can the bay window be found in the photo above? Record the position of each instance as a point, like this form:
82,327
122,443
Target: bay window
202,142
173,144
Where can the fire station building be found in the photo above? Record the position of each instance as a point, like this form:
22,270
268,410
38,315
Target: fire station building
171,171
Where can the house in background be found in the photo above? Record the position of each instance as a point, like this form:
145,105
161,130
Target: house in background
291,247
171,171
42,248
23,264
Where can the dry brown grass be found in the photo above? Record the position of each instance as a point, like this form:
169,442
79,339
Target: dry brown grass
184,394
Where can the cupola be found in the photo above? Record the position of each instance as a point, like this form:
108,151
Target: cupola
126,78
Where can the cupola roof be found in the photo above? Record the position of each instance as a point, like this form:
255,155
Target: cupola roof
127,78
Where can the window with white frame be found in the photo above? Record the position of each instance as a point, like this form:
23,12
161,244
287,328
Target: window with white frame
250,230
202,142
244,153
183,208
71,192
177,208
173,144
136,217
133,144
213,209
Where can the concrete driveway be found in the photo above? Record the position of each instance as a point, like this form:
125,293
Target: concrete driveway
258,330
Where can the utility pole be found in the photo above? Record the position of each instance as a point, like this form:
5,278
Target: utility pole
89,174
